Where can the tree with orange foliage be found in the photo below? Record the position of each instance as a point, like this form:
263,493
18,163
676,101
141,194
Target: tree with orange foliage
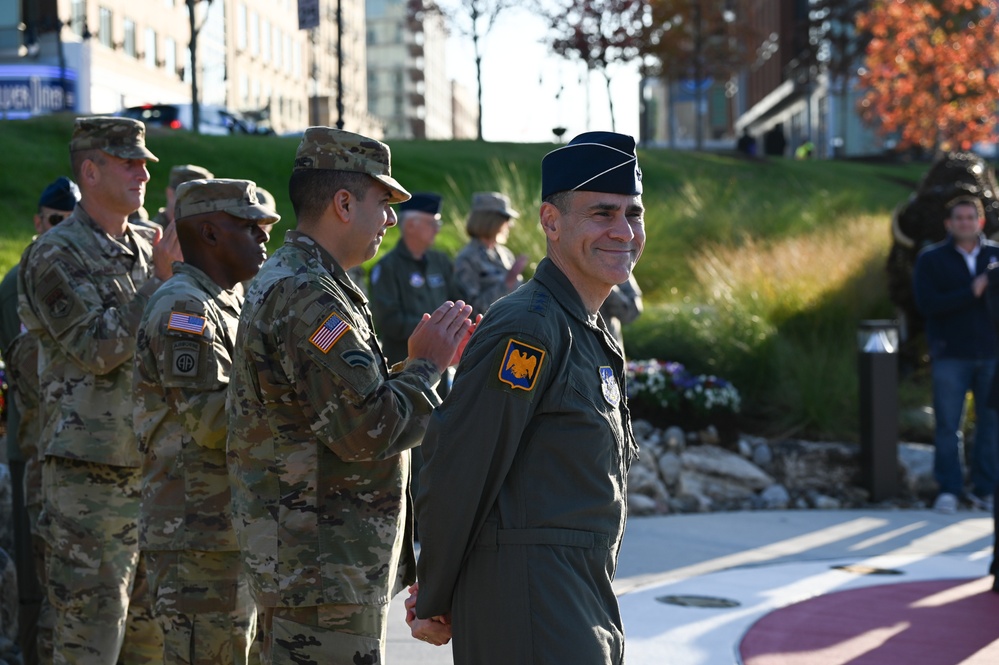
932,72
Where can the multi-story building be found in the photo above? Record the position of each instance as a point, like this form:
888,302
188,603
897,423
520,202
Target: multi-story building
98,56
464,112
408,86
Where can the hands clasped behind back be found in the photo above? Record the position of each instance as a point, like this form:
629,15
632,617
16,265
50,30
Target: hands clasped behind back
437,336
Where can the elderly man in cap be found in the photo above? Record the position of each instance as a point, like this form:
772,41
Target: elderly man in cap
20,352
412,278
83,286
183,358
319,426
178,176
522,506
485,268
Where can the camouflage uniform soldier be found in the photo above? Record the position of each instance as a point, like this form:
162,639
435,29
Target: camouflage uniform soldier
10,652
83,286
485,268
20,350
178,176
319,428
182,362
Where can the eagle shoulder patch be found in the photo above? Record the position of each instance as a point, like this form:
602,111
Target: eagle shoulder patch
521,365
326,335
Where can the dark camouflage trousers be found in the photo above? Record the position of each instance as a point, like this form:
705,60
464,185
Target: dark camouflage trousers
348,634
204,606
97,581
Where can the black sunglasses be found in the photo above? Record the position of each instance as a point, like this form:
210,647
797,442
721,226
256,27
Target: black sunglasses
55,218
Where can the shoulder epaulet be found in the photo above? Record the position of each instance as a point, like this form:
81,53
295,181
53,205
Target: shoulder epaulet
540,300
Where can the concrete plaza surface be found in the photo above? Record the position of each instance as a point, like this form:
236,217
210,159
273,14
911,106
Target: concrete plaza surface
761,561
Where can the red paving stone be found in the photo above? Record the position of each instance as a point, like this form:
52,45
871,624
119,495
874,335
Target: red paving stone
939,622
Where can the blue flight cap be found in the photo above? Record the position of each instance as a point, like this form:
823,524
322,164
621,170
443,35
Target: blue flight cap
593,162
423,202
62,194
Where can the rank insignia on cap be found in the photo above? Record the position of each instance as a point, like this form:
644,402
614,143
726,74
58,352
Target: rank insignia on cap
189,323
609,387
521,365
326,335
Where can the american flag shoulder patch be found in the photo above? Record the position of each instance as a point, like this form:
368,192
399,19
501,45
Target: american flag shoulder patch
326,335
189,323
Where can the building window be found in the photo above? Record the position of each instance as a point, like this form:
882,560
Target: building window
240,26
254,33
265,46
78,17
104,32
170,56
287,53
150,52
277,48
129,41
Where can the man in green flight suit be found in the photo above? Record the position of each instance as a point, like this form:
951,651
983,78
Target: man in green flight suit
183,359
320,428
412,278
523,493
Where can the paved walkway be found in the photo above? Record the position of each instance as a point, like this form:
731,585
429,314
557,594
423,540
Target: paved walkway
761,561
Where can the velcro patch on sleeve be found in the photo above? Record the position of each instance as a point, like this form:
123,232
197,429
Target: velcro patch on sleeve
331,330
189,323
521,365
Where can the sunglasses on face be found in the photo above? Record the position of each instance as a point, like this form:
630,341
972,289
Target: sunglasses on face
56,217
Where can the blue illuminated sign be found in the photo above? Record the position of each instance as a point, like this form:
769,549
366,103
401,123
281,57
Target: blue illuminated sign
27,90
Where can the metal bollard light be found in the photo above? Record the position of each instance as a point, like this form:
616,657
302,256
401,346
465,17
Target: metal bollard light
877,346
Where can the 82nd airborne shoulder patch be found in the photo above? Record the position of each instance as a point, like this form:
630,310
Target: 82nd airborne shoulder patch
521,365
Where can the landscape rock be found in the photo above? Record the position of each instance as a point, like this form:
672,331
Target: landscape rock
775,497
916,460
639,504
745,448
823,502
720,463
818,466
670,468
763,457
675,439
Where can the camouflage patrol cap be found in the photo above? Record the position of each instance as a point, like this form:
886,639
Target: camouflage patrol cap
121,137
332,149
493,202
236,197
184,172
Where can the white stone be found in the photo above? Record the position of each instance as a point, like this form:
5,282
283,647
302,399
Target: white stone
916,460
639,504
775,497
762,455
715,461
823,502
745,449
675,439
670,468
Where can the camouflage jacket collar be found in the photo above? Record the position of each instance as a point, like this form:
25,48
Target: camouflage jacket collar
109,246
303,242
227,298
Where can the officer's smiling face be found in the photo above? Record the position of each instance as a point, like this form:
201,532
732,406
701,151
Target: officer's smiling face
598,240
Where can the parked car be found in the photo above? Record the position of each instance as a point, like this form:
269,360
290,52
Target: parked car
214,119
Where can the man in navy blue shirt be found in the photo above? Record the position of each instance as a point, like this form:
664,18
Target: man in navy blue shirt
950,280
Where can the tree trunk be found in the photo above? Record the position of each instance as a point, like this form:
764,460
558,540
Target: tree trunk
610,100
478,62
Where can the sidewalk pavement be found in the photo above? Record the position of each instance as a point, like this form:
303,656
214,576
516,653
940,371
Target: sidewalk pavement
762,561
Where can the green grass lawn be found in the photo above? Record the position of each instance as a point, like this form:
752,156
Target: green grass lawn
757,271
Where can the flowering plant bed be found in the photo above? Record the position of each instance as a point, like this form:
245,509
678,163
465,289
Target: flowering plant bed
666,394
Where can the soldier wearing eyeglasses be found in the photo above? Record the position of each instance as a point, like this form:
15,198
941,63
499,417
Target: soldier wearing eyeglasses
20,354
